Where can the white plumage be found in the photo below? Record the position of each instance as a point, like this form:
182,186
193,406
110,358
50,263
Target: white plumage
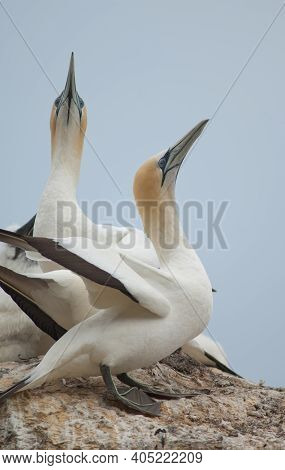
19,337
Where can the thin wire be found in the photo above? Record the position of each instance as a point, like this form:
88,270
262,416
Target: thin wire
57,92
250,57
237,77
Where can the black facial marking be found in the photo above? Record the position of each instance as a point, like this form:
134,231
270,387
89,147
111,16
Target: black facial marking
56,103
163,160
162,164
79,103
69,105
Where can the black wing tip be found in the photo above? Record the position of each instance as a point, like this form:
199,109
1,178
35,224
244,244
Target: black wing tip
221,366
40,318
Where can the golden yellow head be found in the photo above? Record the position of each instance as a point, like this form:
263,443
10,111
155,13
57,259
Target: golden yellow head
155,179
68,119
147,181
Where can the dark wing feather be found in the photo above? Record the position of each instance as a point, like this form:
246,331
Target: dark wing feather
11,390
55,252
16,240
35,313
221,366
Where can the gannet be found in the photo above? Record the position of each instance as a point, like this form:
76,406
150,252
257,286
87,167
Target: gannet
19,337
146,312
208,352
68,124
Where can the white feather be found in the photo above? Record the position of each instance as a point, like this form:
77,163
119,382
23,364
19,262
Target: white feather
19,337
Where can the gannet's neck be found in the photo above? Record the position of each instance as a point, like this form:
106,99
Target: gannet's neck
64,174
161,224
67,139
58,205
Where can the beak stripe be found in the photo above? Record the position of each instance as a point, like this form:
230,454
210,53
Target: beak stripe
70,93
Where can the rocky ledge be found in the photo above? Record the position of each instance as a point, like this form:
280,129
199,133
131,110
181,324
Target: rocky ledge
229,413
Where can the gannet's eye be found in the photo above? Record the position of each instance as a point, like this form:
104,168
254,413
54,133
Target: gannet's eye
56,103
163,160
162,163
81,102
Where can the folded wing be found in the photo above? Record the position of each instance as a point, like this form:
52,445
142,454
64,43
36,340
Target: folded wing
105,268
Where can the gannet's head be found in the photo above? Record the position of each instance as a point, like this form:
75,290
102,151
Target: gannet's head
156,178
68,120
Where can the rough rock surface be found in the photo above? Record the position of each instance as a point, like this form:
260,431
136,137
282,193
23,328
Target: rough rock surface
80,414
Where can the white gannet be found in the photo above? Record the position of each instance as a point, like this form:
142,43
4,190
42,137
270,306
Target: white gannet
19,337
68,124
147,313
58,203
208,352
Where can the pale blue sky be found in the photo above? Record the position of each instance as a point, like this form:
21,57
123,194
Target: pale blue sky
148,72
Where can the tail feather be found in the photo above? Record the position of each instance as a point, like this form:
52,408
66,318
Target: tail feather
12,390
27,228
222,366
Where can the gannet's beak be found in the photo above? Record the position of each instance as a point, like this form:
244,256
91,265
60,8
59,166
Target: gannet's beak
178,152
175,155
69,93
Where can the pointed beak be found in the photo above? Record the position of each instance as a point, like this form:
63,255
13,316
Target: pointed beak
175,155
178,152
70,86
69,93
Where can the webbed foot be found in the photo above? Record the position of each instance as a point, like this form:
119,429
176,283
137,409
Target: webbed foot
126,379
131,397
